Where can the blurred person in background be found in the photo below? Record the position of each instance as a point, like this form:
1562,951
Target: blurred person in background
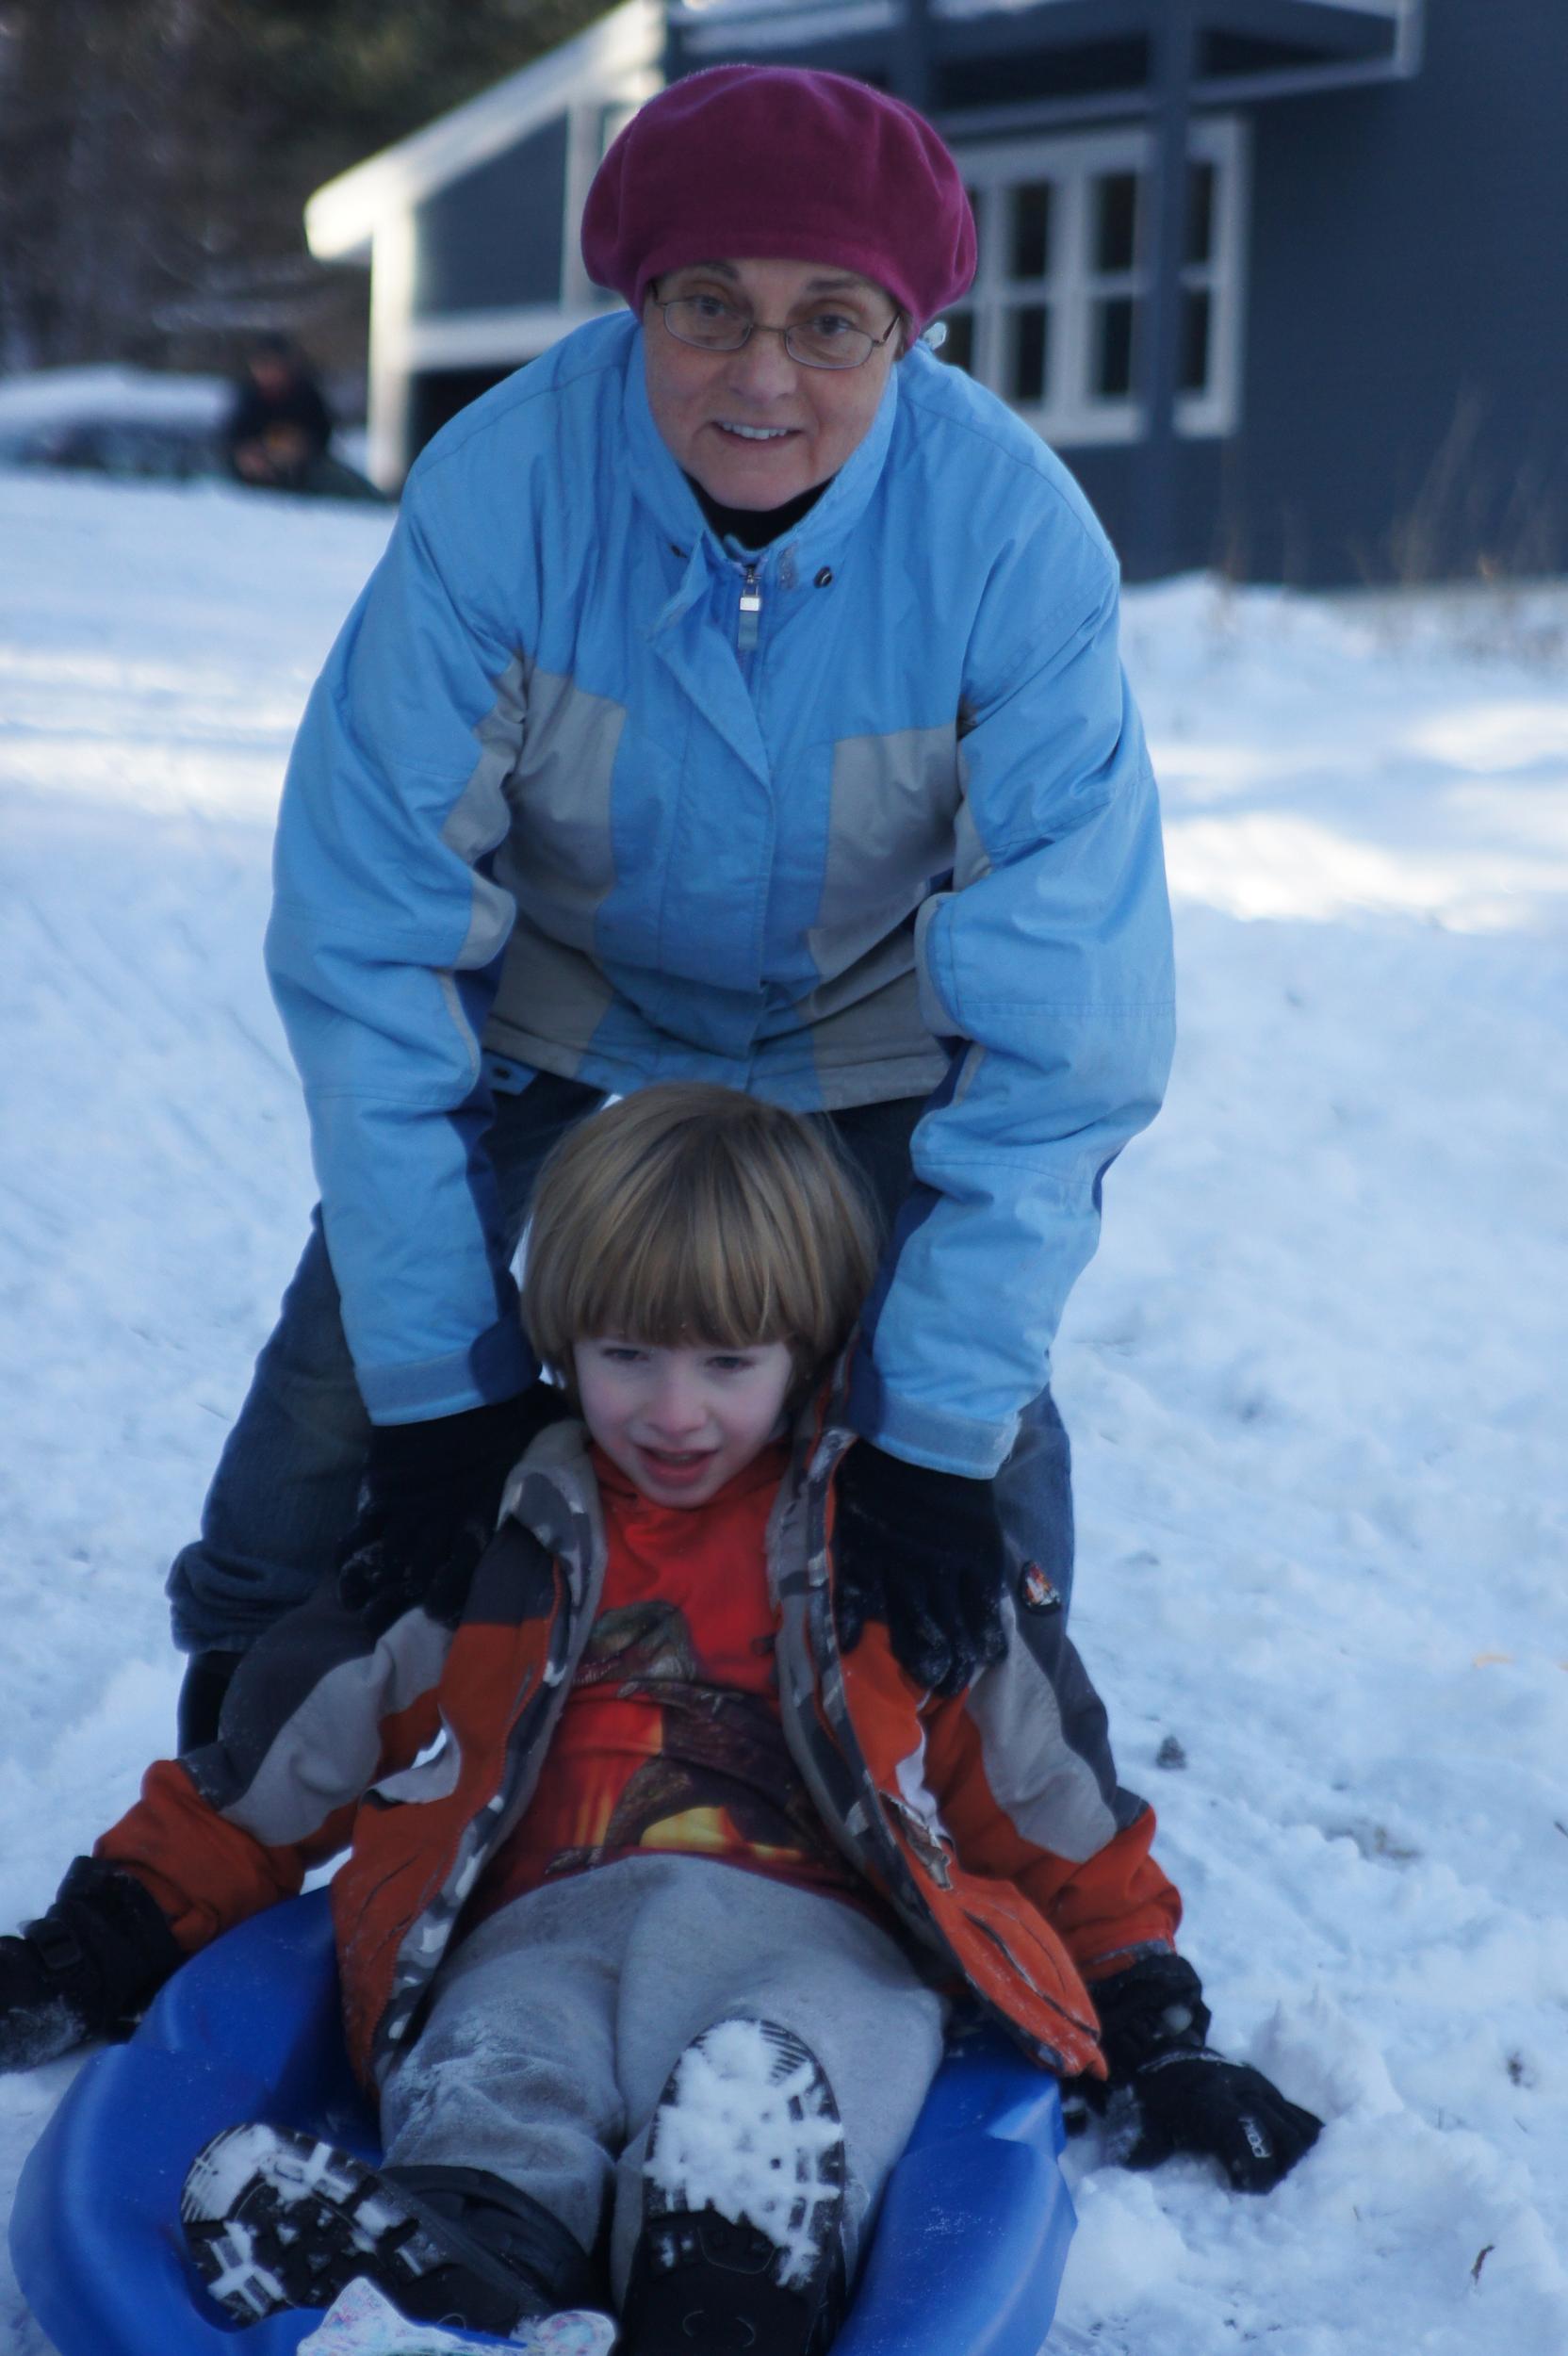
279,429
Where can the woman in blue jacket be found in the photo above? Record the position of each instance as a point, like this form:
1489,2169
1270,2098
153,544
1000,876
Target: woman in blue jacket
738,699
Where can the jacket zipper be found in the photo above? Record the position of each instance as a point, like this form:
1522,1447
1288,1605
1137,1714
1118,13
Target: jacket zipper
751,613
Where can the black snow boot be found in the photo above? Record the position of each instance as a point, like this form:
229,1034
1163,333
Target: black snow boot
275,2219
742,2247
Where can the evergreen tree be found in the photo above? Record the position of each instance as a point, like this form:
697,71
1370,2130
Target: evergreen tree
155,156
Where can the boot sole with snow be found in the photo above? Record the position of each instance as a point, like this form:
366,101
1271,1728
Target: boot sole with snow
754,2263
275,2219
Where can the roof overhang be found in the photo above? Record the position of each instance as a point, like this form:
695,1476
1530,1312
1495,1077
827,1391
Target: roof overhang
1300,43
1275,46
1328,30
341,219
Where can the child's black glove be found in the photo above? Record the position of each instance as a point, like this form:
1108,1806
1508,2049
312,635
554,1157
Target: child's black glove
88,1968
427,1509
921,1551
1168,2091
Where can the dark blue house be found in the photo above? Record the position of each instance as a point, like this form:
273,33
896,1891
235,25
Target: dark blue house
1284,281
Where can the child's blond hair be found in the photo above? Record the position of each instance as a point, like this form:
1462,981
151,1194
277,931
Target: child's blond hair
690,1213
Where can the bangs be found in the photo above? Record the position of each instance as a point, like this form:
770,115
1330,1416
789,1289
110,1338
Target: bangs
689,1213
693,1272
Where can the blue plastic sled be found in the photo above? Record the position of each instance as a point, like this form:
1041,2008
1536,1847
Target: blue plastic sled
966,2261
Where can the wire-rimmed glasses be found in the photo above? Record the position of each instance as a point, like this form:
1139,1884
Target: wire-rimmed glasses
825,340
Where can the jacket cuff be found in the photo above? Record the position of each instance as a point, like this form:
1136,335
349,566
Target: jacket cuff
498,1366
925,1435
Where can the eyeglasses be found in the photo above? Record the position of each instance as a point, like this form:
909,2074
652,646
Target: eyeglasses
827,340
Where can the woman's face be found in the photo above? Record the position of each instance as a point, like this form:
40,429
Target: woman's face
754,427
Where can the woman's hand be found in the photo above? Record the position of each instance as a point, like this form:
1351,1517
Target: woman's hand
921,1551
429,1503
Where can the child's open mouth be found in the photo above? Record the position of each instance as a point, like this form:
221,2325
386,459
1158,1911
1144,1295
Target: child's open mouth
675,1465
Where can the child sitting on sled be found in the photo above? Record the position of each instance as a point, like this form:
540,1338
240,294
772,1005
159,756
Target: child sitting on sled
658,1886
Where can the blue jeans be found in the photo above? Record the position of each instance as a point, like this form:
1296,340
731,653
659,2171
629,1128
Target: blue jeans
287,1487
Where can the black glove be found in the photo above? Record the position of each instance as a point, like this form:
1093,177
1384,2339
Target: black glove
87,1969
921,1551
430,1502
1169,2091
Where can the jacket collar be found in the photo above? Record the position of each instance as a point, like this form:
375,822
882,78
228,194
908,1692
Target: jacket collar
552,1493
663,491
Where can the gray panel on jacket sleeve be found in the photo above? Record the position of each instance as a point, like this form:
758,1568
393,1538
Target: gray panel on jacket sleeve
935,1012
551,1002
867,1049
971,858
482,817
1054,1794
971,861
558,859
890,831
327,1753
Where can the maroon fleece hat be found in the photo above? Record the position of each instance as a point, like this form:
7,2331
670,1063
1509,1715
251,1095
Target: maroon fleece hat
781,163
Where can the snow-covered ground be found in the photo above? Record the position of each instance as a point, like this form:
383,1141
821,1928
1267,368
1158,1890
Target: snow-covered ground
1314,1379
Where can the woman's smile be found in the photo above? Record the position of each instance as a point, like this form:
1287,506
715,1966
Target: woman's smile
756,427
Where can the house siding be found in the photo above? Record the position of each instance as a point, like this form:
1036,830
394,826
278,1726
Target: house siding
492,241
1407,350
1204,529
1405,368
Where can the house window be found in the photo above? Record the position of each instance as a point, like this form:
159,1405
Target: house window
1060,301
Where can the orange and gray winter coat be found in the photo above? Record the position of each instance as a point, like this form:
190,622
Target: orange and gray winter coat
992,1821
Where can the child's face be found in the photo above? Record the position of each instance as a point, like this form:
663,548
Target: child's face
679,1423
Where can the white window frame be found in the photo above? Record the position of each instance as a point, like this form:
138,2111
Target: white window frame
1071,412
593,122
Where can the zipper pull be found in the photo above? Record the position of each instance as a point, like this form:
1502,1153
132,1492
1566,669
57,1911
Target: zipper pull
751,611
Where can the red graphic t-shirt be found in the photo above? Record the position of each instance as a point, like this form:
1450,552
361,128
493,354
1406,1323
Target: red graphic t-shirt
670,1739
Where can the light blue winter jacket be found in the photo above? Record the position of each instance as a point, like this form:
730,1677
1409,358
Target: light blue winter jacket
559,803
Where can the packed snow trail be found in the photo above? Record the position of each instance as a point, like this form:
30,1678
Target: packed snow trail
1314,1378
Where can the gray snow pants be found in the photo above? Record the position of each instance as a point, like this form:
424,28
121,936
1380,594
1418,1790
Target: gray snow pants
555,2023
